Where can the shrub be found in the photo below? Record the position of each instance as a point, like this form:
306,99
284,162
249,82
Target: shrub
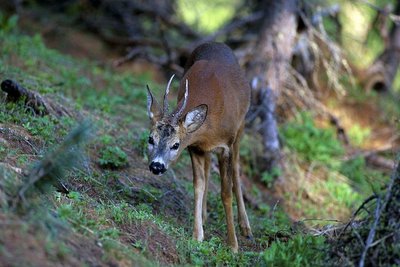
113,157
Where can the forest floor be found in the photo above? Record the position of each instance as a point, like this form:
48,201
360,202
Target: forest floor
116,213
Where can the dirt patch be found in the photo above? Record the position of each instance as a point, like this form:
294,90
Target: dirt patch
164,194
23,244
85,250
15,137
148,238
369,116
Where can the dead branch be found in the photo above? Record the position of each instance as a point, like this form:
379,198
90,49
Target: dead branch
378,229
380,162
360,208
373,158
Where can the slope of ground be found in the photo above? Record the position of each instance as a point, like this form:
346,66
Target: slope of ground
115,212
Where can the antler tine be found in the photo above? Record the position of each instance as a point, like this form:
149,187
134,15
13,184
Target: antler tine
183,106
165,104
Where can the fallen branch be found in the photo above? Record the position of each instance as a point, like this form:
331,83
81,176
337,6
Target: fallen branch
33,100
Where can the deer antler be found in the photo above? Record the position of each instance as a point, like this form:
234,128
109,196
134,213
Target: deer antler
165,104
178,113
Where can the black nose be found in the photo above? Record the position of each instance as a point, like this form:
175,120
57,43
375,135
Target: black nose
157,168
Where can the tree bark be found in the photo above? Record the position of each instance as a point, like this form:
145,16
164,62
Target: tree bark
381,74
267,69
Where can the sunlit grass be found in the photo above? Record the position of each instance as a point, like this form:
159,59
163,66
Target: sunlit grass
358,134
317,192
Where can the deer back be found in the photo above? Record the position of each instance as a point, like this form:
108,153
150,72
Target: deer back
216,80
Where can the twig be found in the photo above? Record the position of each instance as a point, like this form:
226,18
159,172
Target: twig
372,232
356,212
318,219
380,240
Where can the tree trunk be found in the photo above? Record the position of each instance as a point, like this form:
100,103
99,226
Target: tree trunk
267,69
381,74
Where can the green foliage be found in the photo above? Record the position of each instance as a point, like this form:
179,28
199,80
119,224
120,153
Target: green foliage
268,178
207,16
9,24
41,126
341,193
113,157
364,180
312,143
46,127
300,250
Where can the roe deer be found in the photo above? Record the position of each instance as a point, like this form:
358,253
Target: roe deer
213,99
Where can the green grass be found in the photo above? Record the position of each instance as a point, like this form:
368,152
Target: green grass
298,251
329,187
310,142
364,180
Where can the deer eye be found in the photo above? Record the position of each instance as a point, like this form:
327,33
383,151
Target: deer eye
151,140
175,146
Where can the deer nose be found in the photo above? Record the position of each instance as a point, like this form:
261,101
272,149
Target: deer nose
157,168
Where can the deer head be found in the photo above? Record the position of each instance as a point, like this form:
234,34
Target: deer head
170,132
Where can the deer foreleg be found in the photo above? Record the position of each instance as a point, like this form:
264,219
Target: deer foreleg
199,188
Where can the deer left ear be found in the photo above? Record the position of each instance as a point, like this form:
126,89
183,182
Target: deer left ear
195,118
153,108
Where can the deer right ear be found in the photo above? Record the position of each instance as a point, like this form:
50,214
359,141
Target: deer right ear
153,108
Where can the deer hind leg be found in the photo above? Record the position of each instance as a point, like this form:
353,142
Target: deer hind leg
242,215
198,162
207,166
225,169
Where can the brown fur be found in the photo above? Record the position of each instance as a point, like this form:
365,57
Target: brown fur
216,80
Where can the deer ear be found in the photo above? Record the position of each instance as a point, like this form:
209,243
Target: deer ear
153,108
195,118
